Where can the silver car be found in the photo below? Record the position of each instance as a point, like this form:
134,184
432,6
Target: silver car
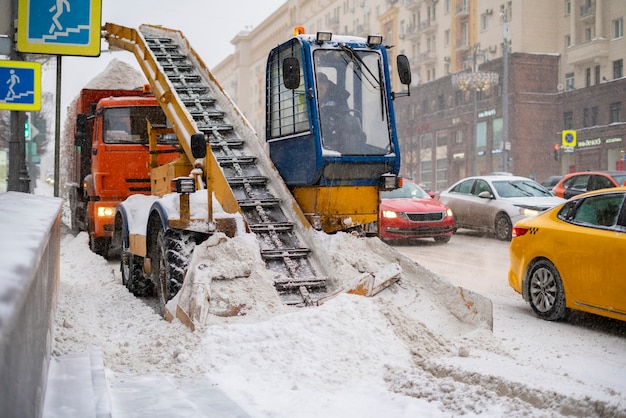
495,203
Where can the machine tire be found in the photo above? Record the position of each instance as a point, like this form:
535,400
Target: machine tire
503,227
546,294
133,277
168,265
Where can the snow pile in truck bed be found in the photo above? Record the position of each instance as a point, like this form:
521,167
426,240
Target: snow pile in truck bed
117,75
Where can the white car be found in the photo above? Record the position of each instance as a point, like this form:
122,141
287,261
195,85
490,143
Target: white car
495,203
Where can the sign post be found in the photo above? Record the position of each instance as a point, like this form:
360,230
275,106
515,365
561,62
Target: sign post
568,143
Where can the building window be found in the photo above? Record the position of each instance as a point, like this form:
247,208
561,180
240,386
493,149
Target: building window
567,120
442,173
458,98
441,102
618,69
597,76
618,28
568,7
588,35
568,41
446,37
458,137
588,77
446,7
616,110
594,116
586,116
464,34
484,22
569,81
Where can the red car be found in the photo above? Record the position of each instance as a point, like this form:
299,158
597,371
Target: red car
409,212
574,184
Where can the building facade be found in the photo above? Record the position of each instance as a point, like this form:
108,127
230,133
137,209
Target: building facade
564,72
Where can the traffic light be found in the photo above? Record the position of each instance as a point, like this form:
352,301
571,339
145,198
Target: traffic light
27,127
556,152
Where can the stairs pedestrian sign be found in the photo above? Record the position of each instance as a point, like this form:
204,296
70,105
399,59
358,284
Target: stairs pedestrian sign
59,27
20,85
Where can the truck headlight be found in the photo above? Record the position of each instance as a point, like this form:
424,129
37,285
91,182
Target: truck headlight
105,211
388,181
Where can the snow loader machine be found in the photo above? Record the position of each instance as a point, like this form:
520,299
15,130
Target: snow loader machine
326,165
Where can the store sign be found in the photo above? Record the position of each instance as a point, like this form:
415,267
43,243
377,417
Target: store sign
487,113
589,143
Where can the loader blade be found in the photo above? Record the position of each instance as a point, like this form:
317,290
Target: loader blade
370,285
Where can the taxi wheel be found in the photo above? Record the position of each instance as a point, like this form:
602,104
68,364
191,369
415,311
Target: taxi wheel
545,291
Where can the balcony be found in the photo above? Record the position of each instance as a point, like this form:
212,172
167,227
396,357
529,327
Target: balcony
587,12
362,30
333,23
462,45
413,5
428,26
588,52
425,58
462,10
410,32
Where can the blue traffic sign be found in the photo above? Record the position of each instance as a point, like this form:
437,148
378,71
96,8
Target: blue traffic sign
20,85
59,27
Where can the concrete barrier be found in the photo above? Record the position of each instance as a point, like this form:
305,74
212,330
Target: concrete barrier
30,229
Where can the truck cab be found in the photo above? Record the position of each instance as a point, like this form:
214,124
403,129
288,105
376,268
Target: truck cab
112,149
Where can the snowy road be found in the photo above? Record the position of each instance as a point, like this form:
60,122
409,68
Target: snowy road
590,348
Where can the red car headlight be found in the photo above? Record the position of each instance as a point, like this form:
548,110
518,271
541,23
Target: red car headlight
389,214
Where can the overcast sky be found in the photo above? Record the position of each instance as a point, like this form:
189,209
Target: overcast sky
209,26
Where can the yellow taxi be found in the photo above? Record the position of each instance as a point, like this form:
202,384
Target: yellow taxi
573,257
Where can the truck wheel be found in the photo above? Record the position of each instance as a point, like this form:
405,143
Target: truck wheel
133,277
78,222
100,246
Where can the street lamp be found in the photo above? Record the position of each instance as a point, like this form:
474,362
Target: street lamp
474,81
505,92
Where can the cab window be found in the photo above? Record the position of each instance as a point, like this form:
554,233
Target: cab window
287,112
601,211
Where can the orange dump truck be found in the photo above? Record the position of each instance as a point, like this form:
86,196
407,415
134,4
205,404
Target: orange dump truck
112,157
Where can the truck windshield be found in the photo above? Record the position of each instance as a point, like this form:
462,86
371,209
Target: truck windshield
128,125
352,103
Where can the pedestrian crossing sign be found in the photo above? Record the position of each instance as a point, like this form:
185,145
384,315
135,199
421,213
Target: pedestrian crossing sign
59,27
20,85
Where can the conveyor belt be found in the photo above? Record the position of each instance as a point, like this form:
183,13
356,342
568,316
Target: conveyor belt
280,247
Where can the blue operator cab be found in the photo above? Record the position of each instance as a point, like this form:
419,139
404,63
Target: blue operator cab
330,124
